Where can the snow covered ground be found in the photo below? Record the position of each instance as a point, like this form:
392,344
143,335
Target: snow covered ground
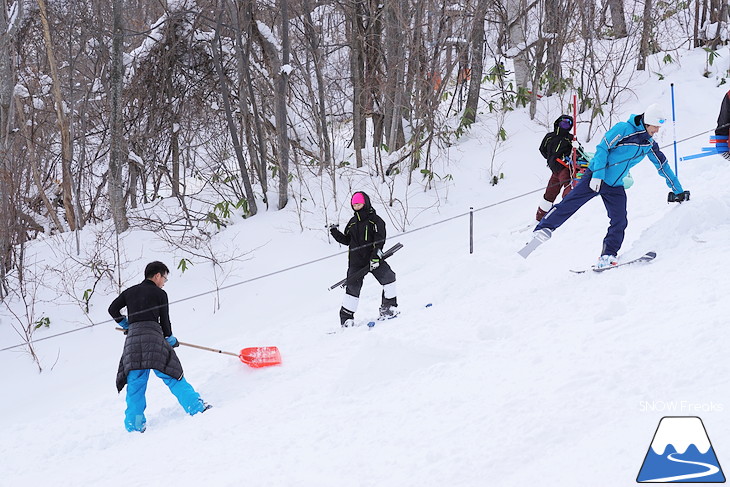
520,373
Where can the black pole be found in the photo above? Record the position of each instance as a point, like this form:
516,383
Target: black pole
471,229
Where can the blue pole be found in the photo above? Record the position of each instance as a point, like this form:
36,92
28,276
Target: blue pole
674,133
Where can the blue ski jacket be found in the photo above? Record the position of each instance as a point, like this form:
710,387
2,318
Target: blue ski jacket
623,147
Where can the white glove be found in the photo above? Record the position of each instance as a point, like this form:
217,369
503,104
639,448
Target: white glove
575,144
595,184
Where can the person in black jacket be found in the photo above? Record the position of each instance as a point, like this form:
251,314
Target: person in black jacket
556,147
723,122
149,346
365,235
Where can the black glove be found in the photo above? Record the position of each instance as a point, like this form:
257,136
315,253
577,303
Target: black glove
678,198
726,155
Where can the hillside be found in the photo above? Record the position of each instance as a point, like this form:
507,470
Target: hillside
520,373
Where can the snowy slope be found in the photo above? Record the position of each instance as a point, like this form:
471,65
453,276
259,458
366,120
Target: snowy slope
520,373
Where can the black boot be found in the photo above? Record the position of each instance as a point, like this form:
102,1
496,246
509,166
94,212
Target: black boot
388,308
347,317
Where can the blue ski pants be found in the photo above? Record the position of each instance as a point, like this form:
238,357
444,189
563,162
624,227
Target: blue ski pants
134,419
614,199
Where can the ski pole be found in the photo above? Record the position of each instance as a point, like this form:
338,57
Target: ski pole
362,272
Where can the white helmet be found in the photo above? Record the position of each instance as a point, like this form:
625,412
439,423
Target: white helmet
654,115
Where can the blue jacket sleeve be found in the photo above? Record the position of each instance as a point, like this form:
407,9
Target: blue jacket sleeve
599,163
664,169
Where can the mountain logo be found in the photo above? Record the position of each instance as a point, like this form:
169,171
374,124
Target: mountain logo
680,452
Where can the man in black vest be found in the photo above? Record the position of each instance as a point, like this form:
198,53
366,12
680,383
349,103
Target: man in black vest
149,346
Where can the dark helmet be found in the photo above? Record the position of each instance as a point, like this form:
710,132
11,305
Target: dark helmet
564,122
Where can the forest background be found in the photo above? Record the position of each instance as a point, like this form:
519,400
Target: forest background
183,116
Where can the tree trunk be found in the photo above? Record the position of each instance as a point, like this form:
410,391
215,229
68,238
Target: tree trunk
645,35
555,24
357,80
395,57
516,19
258,125
696,26
477,63
232,128
63,124
7,72
282,88
117,152
175,154
243,98
618,18
317,55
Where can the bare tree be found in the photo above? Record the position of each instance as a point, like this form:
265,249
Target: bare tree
517,18
63,124
8,32
282,86
233,129
477,62
314,45
117,152
645,36
253,126
279,66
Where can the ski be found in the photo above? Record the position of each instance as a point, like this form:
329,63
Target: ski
647,257
362,323
538,237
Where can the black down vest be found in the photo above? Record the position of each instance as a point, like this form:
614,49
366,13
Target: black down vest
146,348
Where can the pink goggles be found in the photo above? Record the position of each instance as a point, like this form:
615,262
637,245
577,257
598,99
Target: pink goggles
358,199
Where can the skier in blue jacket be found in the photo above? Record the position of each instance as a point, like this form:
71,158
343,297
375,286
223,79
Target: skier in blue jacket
624,145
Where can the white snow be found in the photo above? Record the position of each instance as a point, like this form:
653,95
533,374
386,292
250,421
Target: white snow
268,34
519,374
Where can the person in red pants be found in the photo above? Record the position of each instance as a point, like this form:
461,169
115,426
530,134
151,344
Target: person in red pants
723,124
556,148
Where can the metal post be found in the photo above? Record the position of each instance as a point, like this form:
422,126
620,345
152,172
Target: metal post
471,229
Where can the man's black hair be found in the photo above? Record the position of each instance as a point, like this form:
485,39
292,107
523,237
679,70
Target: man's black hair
154,268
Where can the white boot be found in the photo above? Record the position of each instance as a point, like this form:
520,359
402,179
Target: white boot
543,208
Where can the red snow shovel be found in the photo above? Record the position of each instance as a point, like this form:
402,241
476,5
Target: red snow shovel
252,356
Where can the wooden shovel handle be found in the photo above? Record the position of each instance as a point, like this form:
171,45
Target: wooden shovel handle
208,349
197,346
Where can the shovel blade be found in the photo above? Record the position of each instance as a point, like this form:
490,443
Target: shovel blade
260,356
